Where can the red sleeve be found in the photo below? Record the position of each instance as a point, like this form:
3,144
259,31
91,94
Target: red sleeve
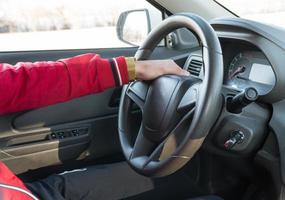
11,187
32,85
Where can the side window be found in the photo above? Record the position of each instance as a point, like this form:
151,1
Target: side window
72,24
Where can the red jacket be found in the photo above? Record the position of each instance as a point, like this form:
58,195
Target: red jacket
11,187
32,85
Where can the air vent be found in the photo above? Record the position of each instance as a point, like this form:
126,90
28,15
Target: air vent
195,66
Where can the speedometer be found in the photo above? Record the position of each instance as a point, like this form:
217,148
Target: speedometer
250,69
238,66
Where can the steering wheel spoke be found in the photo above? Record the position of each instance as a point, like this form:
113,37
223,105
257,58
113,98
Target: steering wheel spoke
189,99
142,146
166,148
137,92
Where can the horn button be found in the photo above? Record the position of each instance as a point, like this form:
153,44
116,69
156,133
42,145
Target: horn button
161,112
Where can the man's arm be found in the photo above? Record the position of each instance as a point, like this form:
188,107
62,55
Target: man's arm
32,85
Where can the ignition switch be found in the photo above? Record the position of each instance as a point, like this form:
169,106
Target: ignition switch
236,138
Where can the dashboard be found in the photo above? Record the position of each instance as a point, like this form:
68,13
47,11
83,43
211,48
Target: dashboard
244,66
253,57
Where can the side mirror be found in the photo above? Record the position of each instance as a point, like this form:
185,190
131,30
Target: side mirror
133,26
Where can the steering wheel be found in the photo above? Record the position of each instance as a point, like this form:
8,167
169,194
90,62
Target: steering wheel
177,112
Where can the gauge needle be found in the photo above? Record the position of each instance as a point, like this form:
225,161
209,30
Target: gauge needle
240,69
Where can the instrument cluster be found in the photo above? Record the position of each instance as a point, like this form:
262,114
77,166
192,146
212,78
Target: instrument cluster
250,69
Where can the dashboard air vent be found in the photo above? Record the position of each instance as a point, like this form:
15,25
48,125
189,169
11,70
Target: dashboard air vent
195,66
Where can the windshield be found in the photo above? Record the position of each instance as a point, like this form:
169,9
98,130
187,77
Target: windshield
266,11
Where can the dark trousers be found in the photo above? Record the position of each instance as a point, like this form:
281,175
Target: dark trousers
114,181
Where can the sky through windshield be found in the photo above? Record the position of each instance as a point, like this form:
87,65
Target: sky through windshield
267,11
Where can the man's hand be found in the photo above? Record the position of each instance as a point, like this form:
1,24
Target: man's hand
151,69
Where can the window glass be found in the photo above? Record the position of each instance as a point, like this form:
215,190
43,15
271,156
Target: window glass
67,24
266,11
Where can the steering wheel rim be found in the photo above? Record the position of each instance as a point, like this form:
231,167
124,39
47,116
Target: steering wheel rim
164,144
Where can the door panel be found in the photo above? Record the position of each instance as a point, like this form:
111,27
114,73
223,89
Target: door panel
83,128
94,106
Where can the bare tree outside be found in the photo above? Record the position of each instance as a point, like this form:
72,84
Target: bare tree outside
63,24
35,15
70,24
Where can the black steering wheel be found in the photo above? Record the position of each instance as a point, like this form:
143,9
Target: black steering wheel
177,112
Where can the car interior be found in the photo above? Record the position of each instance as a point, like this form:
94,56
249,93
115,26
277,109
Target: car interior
228,118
